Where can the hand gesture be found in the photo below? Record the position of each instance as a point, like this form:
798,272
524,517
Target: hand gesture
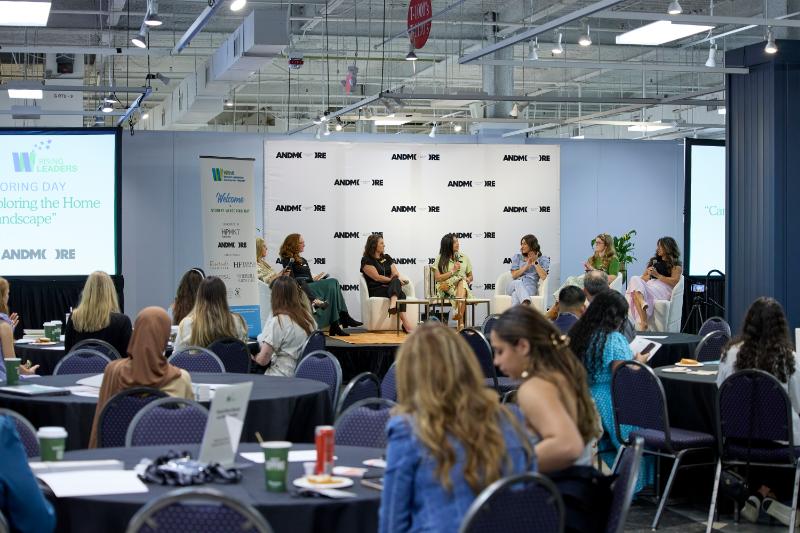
27,369
456,266
14,320
587,267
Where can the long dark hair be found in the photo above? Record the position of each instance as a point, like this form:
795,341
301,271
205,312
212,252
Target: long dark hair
372,245
605,315
288,299
445,252
764,339
533,243
187,292
672,254
549,356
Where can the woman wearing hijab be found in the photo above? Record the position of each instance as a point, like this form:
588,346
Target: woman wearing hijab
145,365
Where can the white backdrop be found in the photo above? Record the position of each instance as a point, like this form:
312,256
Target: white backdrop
336,194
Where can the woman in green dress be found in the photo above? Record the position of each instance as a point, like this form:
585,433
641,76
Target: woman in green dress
453,275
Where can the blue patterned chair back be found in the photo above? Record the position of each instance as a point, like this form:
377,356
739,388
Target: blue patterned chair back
82,361
233,353
364,423
488,324
197,359
197,509
638,399
27,433
166,422
624,486
324,367
516,504
363,386
3,524
483,351
389,384
116,416
710,347
100,345
315,343
714,323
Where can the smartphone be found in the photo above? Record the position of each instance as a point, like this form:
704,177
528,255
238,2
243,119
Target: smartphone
648,348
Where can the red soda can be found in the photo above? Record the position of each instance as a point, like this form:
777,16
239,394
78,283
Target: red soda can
324,438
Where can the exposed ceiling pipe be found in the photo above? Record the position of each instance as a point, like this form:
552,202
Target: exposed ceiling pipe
612,65
197,26
698,19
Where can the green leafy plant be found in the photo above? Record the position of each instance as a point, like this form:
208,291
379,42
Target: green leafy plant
625,246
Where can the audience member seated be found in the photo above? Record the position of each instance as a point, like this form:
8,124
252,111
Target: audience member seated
211,319
186,294
764,344
604,258
286,331
571,300
383,278
528,267
265,271
145,365
21,501
324,293
7,325
663,272
449,439
453,275
98,316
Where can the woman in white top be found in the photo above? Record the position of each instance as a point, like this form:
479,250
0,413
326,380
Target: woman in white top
211,318
286,332
764,344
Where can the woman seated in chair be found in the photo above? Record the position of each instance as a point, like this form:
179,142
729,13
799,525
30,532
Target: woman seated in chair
449,439
528,268
383,279
98,316
324,293
663,272
266,273
186,294
211,319
287,330
7,325
145,365
453,276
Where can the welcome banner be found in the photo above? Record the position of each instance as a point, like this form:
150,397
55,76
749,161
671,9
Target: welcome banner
229,232
337,194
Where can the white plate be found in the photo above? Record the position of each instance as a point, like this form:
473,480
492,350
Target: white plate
689,366
42,343
339,483
375,463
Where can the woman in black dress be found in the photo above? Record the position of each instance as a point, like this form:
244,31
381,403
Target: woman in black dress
383,279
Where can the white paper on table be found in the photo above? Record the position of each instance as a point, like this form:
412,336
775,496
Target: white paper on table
24,341
639,343
93,483
676,370
53,348
44,467
295,456
83,390
652,336
92,381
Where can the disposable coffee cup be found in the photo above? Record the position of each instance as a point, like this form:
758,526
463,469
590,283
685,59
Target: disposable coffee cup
48,330
52,440
276,463
12,370
202,392
56,330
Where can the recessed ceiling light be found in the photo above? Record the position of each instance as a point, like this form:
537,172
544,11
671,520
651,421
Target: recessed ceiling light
660,32
386,121
24,13
24,89
651,126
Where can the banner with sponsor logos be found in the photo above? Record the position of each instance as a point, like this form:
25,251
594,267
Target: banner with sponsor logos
336,194
229,232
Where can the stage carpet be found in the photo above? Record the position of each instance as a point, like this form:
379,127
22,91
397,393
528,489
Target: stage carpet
374,337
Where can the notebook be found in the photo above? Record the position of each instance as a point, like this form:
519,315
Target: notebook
35,390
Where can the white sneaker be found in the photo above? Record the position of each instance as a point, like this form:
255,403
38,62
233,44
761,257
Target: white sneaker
751,509
782,513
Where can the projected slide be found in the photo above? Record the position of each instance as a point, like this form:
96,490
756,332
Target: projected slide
707,230
57,203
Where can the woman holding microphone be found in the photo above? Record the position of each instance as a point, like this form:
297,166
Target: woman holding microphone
528,268
453,275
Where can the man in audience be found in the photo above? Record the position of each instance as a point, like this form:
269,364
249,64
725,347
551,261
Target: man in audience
595,282
570,300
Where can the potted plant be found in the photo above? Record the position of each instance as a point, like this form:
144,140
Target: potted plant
624,246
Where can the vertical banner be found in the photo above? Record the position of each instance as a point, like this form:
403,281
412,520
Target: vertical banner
337,194
229,232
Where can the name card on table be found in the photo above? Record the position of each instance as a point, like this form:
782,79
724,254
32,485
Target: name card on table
225,423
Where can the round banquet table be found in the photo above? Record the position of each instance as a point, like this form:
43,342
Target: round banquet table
675,346
284,511
280,408
691,398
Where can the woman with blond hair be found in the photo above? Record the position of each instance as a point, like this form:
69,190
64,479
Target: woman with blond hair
211,319
265,272
449,439
98,316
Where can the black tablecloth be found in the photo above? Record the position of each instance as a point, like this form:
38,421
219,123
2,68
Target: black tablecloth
284,512
357,358
280,408
675,347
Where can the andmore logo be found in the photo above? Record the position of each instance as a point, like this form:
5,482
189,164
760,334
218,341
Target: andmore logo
289,155
346,183
515,209
404,157
467,235
346,235
488,286
349,287
404,209
288,207
405,260
19,253
506,260
319,260
459,183
226,244
511,157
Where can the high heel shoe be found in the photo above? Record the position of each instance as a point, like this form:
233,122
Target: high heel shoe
335,329
392,311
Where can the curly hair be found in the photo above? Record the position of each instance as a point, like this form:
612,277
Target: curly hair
605,315
291,247
609,253
672,254
764,341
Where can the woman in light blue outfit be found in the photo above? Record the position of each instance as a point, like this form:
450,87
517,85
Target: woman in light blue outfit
598,342
449,439
528,267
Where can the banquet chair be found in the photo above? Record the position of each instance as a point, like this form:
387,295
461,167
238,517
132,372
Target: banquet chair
389,383
714,323
488,324
234,354
3,524
375,309
168,421
483,351
322,366
638,398
710,347
197,359
82,361
27,433
516,504
364,385
119,410
364,423
667,313
755,429
100,345
314,343
502,300
623,488
197,509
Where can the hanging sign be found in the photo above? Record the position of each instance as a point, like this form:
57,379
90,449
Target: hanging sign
418,11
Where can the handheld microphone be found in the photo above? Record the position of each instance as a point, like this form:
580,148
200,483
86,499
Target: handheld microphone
291,262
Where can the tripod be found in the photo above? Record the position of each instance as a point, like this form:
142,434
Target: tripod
701,303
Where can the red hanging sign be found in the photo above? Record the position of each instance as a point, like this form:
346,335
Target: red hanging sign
418,11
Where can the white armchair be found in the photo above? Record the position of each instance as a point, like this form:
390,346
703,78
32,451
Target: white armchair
502,301
264,301
375,309
617,284
667,314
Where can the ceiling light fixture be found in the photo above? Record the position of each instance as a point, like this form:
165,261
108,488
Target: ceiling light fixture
13,13
432,134
558,48
722,110
140,39
711,62
107,107
771,47
648,127
23,89
586,37
229,103
391,121
110,99
660,32
533,52
151,18
339,126
514,113
411,56
327,130
674,8
145,115
457,128
237,5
